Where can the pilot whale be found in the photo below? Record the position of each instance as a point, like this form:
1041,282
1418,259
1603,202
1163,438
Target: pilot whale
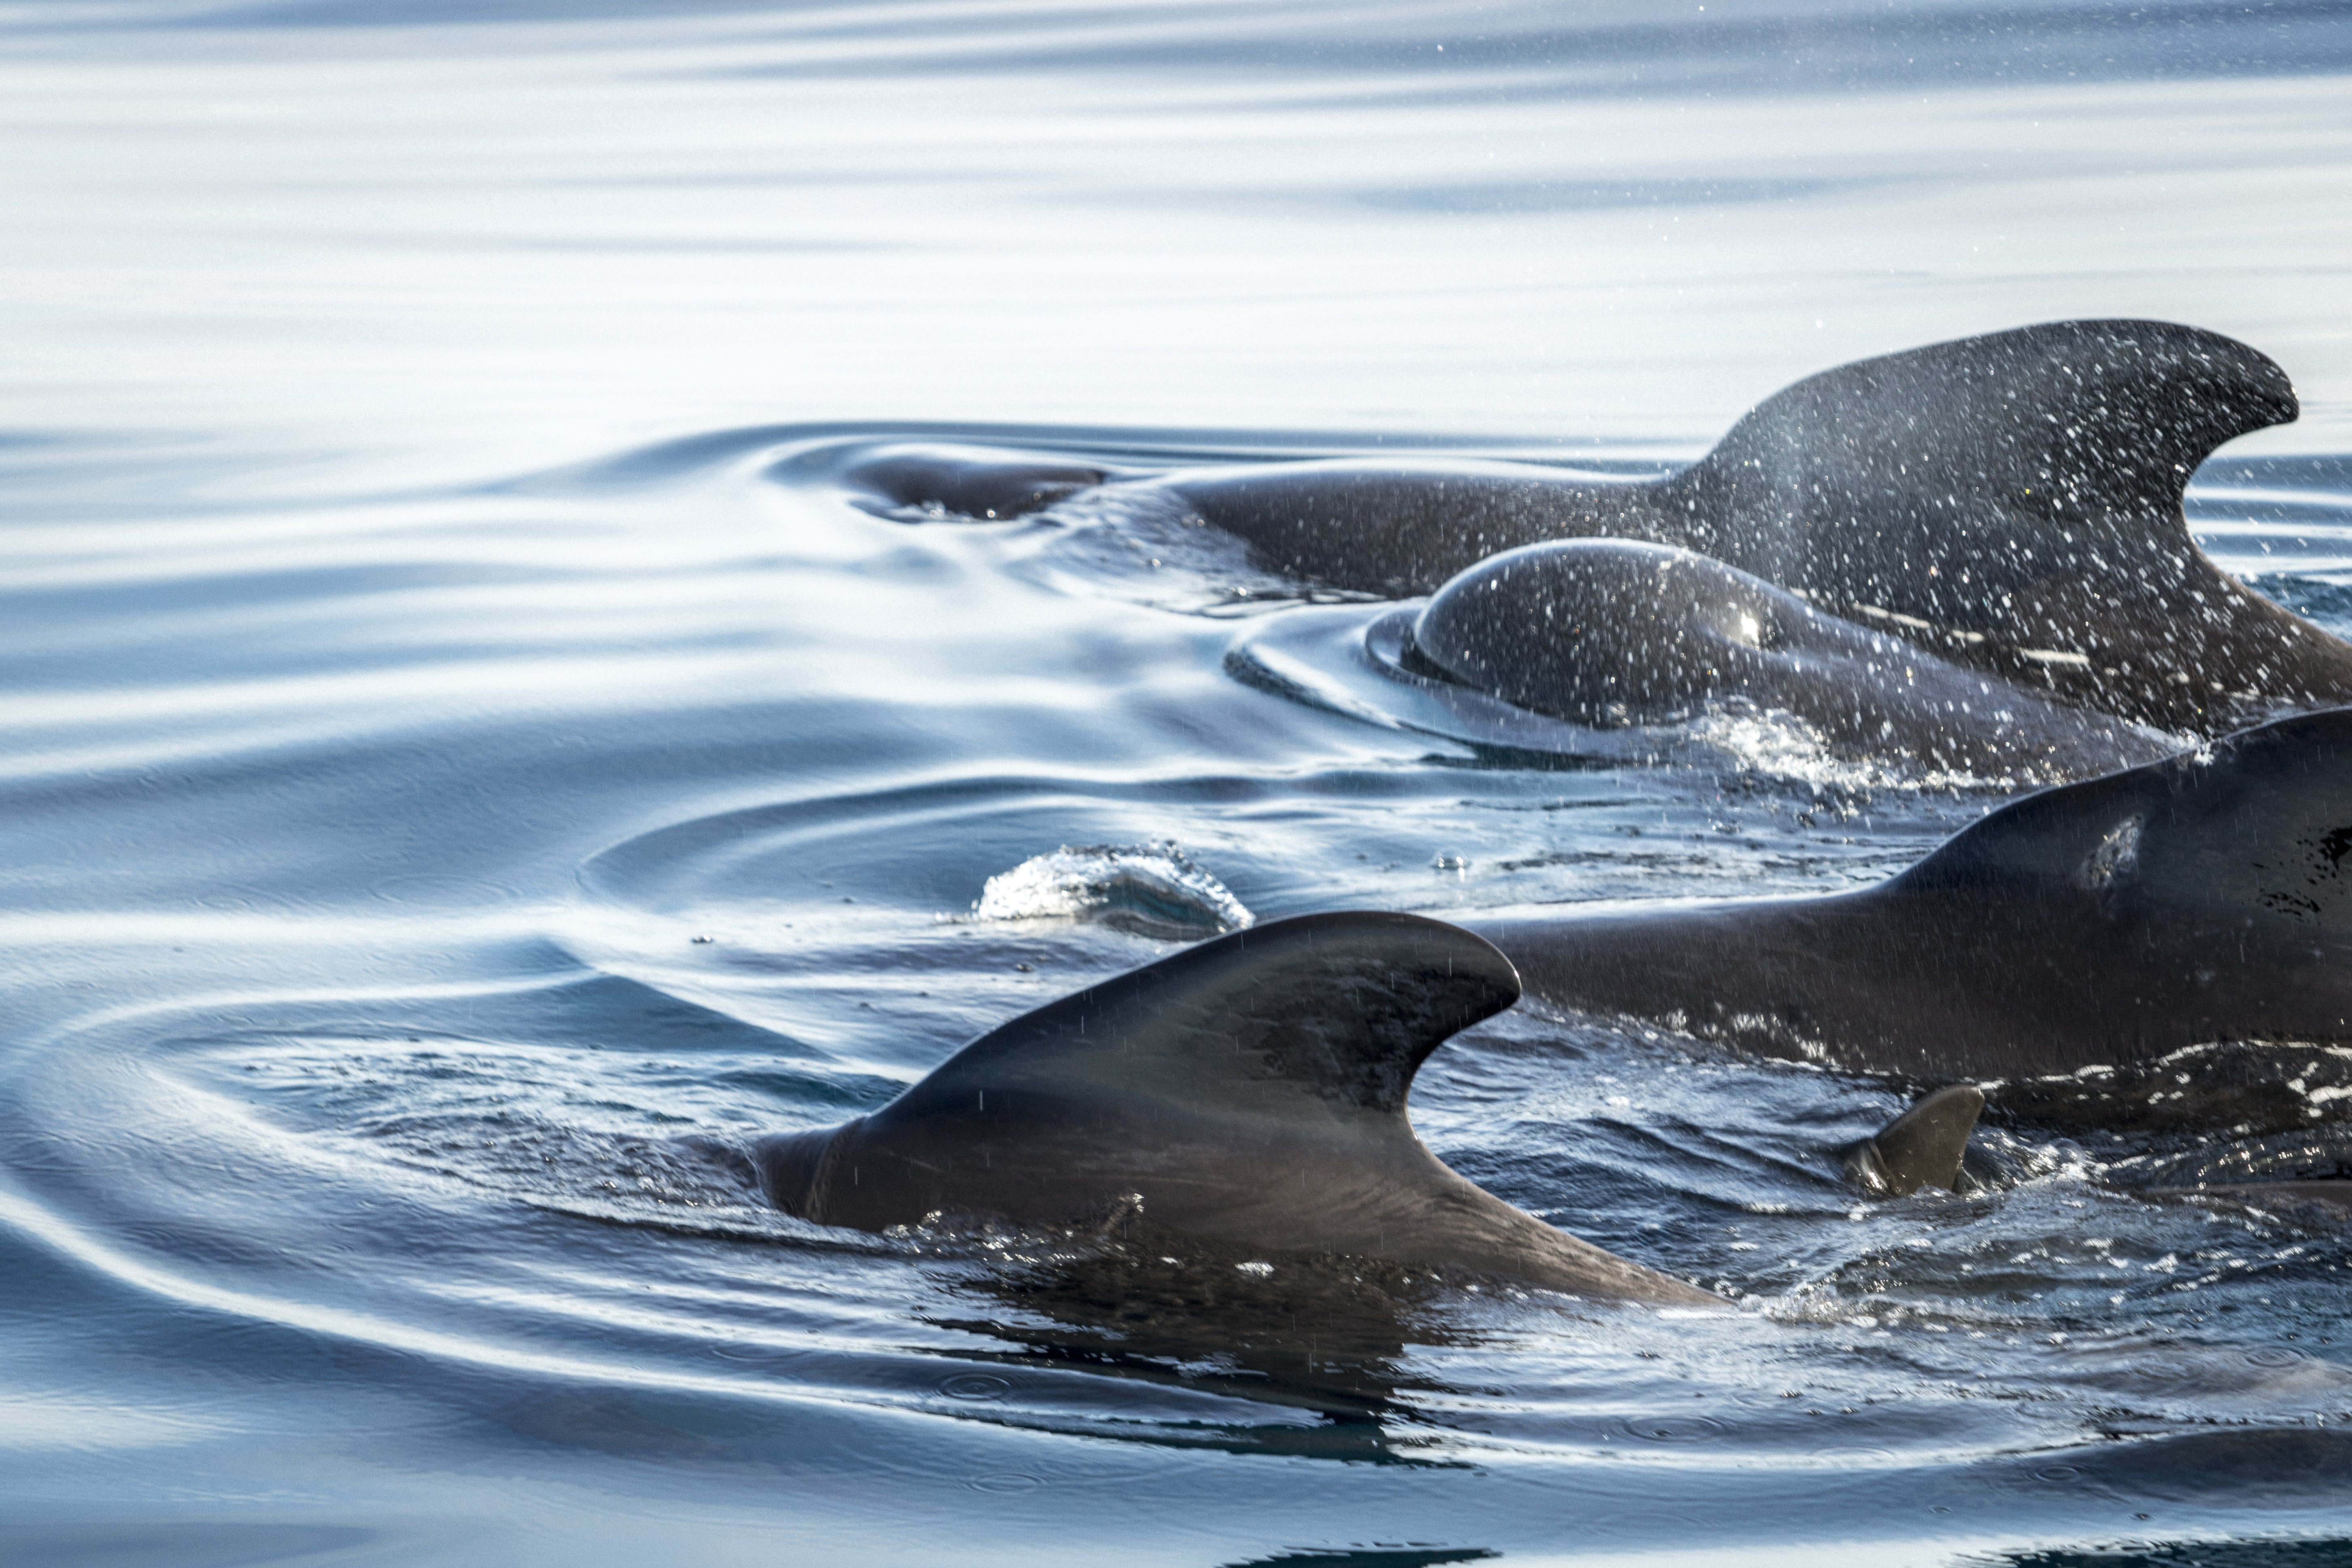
1927,1145
1607,633
1248,1092
2125,920
2012,502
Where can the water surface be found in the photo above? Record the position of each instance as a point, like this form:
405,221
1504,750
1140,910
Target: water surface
469,767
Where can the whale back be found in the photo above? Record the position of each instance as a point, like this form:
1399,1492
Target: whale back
2012,503
1611,632
2202,899
2249,836
1602,631
2205,898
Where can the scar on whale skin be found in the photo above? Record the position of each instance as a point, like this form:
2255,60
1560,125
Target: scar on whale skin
1250,1090
2012,502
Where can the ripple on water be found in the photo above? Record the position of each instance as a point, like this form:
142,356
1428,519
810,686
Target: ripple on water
515,1170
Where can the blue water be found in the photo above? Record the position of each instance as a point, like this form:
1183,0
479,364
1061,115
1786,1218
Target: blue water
468,765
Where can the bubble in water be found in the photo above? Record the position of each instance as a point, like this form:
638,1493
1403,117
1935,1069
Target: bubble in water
1674,1429
975,1385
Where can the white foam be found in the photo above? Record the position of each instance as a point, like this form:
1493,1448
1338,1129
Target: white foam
1154,888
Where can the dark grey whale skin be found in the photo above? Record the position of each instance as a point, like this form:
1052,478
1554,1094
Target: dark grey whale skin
2204,897
1250,1091
1609,632
2330,1197
2012,501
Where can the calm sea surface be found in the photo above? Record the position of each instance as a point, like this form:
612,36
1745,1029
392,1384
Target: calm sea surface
465,767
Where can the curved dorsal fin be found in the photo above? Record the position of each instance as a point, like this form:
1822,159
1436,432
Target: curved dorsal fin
1332,1012
1999,456
1249,1091
1922,1147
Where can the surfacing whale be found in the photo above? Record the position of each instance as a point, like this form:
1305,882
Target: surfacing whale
1927,1145
1608,633
1249,1091
1924,1147
2011,501
2126,920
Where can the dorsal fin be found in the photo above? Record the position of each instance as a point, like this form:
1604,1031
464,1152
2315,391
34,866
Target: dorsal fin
1922,1147
1249,1091
2251,835
1334,1010
1967,467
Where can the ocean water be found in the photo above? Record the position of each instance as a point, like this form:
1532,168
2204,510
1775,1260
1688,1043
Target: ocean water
470,767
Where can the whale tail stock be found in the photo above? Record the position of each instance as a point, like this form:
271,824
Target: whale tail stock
1248,1090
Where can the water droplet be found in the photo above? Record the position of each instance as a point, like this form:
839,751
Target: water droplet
975,1385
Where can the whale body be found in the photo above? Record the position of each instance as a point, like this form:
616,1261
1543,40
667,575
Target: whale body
1248,1092
1607,632
2012,502
2205,898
